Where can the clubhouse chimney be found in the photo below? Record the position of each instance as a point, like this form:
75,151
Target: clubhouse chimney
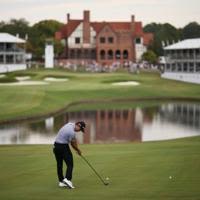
86,26
132,23
68,17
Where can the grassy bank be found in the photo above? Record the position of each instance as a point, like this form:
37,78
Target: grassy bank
22,101
136,171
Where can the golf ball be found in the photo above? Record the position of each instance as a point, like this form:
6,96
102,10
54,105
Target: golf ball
107,178
170,177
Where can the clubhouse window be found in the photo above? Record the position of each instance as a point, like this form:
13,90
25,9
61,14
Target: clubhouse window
77,40
102,40
110,40
138,40
1,59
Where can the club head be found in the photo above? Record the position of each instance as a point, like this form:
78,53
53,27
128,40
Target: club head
106,183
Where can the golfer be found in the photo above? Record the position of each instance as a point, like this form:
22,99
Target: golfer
67,135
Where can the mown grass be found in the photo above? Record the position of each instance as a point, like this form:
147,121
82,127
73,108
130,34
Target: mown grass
23,101
8,78
137,171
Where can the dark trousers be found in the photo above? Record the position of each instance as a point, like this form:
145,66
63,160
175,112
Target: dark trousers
63,152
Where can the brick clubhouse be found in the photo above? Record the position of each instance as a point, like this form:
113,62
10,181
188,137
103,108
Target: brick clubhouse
102,42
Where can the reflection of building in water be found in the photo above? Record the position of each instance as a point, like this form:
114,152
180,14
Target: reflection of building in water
169,121
183,113
109,125
89,118
19,134
117,125
175,120
49,123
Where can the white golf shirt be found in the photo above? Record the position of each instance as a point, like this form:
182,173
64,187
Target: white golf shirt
66,134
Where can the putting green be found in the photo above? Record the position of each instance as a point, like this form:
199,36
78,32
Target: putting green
33,100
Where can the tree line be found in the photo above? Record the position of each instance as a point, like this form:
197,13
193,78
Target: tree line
35,35
38,33
166,34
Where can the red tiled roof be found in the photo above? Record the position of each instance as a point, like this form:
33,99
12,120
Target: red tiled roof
97,26
138,29
116,26
120,26
67,29
71,26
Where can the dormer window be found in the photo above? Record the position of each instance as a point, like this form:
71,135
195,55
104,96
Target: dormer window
77,40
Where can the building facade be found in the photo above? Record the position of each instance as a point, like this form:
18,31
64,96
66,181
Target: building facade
103,42
183,61
12,53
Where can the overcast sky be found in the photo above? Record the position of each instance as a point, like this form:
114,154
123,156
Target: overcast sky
177,12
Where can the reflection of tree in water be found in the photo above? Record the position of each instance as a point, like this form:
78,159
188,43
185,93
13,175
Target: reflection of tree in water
38,126
186,114
150,112
60,120
21,136
49,125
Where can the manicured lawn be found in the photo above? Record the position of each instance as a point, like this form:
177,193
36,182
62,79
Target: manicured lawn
24,101
137,172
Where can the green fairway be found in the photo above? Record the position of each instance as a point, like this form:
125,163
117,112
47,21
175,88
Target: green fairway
28,101
136,171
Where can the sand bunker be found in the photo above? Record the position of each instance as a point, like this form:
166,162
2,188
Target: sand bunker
126,83
55,79
2,75
25,83
22,78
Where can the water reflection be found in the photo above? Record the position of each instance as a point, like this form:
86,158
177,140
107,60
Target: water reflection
174,120
168,121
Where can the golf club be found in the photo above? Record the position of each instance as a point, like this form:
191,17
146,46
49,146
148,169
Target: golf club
105,183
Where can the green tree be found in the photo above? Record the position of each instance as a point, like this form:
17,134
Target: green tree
150,57
16,26
58,47
41,32
162,33
192,30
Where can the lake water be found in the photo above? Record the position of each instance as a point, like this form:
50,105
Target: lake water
162,122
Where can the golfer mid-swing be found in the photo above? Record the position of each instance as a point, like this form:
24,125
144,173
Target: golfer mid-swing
66,135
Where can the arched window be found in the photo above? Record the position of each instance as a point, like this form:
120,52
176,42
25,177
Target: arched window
72,54
93,54
86,53
79,54
125,54
102,54
110,54
118,54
